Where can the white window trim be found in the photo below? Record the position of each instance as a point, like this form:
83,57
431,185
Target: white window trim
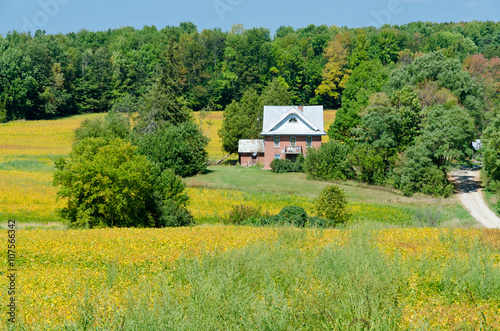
295,143
277,156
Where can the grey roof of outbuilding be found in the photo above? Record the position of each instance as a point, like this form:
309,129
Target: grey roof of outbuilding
251,146
309,120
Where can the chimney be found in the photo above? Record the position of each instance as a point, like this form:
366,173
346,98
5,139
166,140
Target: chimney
301,108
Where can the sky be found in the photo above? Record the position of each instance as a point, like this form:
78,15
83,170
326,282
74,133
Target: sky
64,16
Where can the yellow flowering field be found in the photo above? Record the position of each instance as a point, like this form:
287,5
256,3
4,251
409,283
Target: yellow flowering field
28,150
63,275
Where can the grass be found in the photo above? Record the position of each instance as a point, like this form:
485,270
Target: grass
29,149
365,276
263,187
239,278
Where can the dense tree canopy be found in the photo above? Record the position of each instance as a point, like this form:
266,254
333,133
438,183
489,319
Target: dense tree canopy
44,75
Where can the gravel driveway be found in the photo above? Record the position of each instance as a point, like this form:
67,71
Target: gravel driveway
469,192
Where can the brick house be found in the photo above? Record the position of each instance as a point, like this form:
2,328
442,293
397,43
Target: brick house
287,131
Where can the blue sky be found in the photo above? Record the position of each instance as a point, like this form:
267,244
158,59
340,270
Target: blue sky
73,15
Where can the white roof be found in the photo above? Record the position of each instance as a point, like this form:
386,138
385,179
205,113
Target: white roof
251,146
289,120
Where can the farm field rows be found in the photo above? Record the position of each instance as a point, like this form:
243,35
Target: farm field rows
230,277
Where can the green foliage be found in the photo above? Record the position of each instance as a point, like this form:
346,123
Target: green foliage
105,183
329,162
491,149
294,215
177,68
367,78
180,148
242,214
171,200
447,134
368,164
447,73
332,205
242,120
164,102
286,165
112,125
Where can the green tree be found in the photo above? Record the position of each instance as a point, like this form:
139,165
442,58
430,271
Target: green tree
328,162
105,183
242,120
368,164
164,102
491,149
171,200
366,79
177,147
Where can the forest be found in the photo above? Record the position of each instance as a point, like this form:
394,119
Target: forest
410,98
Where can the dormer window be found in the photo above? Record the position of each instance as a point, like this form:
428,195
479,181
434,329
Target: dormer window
292,120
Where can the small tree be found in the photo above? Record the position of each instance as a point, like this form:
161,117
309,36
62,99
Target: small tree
171,200
332,205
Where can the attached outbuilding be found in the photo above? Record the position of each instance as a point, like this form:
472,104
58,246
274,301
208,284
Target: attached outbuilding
251,152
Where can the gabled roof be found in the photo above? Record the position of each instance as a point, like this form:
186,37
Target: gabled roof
290,120
251,146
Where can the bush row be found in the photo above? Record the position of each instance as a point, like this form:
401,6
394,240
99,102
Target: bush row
331,210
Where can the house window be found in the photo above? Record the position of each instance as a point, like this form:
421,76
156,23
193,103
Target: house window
276,142
277,156
308,141
292,120
293,140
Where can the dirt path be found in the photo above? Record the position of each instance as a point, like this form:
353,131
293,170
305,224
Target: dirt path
469,192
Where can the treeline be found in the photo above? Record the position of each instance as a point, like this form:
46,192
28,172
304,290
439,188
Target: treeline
44,76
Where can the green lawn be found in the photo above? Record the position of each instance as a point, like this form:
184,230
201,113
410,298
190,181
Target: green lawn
255,180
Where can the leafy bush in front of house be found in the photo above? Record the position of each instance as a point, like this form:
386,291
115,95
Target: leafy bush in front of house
332,205
282,166
329,162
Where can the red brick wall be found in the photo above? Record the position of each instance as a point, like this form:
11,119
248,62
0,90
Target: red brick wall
245,159
285,141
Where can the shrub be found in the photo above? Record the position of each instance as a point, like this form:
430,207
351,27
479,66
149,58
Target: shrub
282,166
294,215
332,205
291,215
368,164
241,214
329,162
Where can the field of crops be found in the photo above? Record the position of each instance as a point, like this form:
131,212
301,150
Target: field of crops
215,277
225,277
